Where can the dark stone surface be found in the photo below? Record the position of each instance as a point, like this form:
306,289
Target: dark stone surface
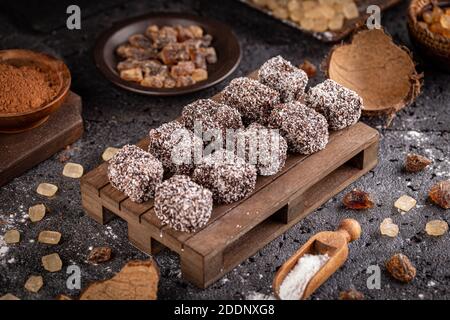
114,117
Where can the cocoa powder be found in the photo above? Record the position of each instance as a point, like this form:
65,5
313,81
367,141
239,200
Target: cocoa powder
24,88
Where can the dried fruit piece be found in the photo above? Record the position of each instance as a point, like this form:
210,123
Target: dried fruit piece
401,268
52,262
9,296
47,189
405,203
73,170
436,228
357,200
309,68
440,194
416,163
138,280
49,237
389,228
12,236
34,283
37,212
99,255
351,294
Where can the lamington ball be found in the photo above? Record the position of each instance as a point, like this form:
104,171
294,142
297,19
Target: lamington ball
340,106
279,74
183,204
135,172
211,115
263,147
176,147
251,98
305,130
229,177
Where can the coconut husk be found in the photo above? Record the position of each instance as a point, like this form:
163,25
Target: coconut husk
138,280
381,72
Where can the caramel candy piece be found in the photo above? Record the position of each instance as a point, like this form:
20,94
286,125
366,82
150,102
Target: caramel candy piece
73,170
436,228
47,189
49,237
109,153
37,212
405,203
389,228
11,237
52,262
183,68
34,284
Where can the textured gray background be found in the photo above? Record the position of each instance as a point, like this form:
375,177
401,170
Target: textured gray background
114,117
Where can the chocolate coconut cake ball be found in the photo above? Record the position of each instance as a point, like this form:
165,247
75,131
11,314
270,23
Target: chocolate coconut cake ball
183,204
251,98
279,74
175,146
341,106
229,177
135,172
263,147
211,115
305,130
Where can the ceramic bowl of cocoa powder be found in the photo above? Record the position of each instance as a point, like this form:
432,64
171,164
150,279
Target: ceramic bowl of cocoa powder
32,86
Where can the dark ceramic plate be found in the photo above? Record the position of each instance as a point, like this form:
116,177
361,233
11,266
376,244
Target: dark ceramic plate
224,41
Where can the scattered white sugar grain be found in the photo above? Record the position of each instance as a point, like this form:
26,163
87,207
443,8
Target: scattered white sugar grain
298,278
421,296
3,247
431,283
259,296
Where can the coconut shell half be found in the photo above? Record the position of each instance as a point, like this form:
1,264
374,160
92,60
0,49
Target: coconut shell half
381,72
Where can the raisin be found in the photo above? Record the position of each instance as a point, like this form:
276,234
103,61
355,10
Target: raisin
401,268
357,200
416,163
351,294
440,194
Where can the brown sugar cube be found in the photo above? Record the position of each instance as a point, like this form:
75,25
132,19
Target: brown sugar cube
34,284
153,82
49,237
11,237
132,75
198,58
37,212
52,262
163,36
184,81
210,54
169,83
140,41
184,33
196,31
199,75
183,68
174,52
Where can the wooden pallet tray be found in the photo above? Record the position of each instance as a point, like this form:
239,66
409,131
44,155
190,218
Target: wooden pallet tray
239,230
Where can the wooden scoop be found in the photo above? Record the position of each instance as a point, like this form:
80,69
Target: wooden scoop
332,243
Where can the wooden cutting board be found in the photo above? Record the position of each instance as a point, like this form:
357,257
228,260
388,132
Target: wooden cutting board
22,151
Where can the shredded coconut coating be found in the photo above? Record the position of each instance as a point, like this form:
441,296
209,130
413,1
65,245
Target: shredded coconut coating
340,106
212,115
229,177
251,98
305,130
263,147
183,204
135,172
279,74
175,146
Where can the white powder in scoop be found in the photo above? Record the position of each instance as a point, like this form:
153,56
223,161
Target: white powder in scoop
298,278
